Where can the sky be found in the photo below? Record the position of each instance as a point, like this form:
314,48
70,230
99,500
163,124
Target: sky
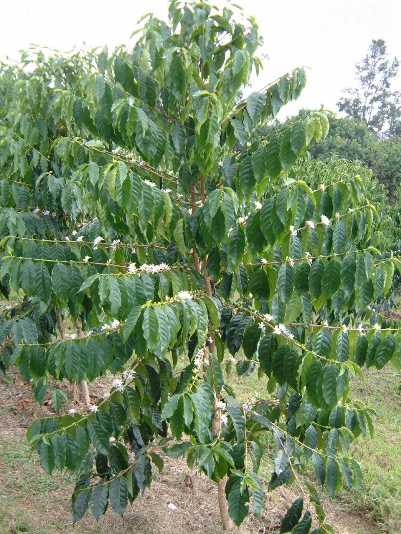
326,36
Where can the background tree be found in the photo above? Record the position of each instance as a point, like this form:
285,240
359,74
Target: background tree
375,102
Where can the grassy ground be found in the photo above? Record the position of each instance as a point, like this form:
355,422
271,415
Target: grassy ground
31,501
380,456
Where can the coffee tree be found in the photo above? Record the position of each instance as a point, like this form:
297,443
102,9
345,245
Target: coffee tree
151,231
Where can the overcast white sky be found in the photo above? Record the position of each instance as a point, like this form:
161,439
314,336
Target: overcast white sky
327,36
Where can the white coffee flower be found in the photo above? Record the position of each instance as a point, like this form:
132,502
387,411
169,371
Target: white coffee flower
166,190
377,327
112,439
184,295
309,258
264,261
149,183
74,233
242,220
36,210
360,329
86,259
128,375
72,411
114,243
132,268
310,224
224,419
268,317
247,406
93,408
97,240
286,332
258,205
199,358
293,231
118,384
277,330
115,324
322,187
46,212
66,238
338,215
345,328
80,238
325,323
325,220
220,405
291,262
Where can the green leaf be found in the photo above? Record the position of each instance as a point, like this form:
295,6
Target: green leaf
80,501
292,516
115,296
170,407
119,494
255,104
333,476
285,366
339,237
237,500
46,455
298,137
315,278
331,278
236,247
150,328
303,526
314,377
99,500
202,401
250,340
131,322
329,384
285,281
237,417
179,237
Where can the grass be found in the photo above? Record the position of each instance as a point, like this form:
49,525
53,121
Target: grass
380,456
24,488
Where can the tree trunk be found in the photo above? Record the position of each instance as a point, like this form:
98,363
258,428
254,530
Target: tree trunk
85,397
221,488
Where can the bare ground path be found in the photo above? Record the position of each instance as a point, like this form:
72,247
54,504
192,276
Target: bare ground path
33,502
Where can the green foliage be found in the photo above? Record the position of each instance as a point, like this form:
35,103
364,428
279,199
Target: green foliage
351,139
142,201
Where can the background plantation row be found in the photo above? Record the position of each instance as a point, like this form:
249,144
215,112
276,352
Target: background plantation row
158,228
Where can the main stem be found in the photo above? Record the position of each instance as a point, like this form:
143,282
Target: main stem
85,396
221,488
